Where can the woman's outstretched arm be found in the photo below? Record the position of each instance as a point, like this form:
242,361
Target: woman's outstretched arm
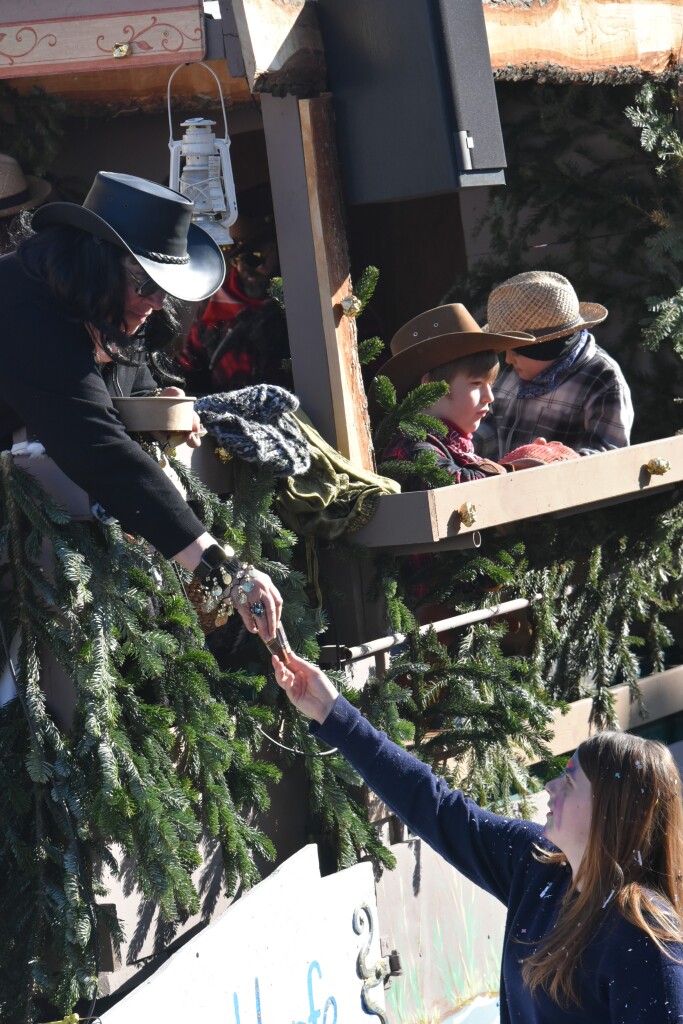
487,848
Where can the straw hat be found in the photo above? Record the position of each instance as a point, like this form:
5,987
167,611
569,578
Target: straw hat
19,191
543,303
153,224
437,337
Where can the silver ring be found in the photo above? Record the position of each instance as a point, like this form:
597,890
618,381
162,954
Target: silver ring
257,609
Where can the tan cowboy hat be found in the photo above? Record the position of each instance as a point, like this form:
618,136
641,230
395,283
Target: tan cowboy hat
19,191
543,303
437,337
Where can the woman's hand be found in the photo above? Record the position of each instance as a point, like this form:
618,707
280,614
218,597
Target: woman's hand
307,687
264,595
193,438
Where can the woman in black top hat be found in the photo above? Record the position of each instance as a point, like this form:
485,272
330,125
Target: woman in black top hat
85,300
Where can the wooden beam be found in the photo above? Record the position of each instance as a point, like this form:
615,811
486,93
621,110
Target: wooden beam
662,695
142,89
584,39
315,271
562,40
282,48
428,517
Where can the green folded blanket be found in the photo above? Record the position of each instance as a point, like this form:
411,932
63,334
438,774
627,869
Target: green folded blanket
334,496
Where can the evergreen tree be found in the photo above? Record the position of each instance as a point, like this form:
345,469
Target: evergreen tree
656,112
583,198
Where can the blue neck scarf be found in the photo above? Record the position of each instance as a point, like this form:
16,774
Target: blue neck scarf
548,378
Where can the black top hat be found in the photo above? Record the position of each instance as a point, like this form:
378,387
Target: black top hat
153,224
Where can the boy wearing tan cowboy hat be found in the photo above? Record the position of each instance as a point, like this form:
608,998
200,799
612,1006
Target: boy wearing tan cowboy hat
446,344
564,388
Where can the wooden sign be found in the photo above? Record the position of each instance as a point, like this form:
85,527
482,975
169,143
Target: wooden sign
449,516
44,37
296,948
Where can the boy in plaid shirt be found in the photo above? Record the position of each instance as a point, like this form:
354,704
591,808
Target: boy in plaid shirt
563,388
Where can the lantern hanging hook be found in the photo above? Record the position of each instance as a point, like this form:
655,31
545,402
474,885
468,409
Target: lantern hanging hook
168,96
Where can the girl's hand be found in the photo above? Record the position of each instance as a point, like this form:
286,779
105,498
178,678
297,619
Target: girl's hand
265,595
309,689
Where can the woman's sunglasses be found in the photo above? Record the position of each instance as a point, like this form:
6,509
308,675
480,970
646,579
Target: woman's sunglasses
145,287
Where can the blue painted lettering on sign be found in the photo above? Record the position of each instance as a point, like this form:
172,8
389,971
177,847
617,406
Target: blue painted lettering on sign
328,1014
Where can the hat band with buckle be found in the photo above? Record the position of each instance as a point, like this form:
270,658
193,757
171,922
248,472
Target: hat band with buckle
15,200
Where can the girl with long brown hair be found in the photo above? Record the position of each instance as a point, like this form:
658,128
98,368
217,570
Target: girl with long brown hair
594,897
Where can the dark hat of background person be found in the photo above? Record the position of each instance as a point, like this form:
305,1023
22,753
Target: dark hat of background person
19,191
255,212
153,224
439,336
544,304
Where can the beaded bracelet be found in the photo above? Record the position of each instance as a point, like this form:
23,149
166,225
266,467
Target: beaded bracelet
216,572
244,583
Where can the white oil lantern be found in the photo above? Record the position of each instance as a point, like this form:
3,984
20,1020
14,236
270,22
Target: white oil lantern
201,170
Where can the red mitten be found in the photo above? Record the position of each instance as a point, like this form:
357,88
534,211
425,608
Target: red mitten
551,451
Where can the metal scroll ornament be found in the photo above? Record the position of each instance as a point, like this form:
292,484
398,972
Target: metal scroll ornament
351,305
372,975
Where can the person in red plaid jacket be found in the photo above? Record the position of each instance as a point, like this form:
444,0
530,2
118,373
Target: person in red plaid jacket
240,336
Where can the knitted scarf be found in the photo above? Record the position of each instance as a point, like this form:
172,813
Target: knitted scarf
460,444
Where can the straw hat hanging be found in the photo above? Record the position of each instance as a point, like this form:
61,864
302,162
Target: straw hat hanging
19,191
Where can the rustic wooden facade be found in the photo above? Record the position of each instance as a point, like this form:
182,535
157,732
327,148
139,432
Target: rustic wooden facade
269,53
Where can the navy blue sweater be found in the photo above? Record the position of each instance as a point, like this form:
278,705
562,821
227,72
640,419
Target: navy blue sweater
624,977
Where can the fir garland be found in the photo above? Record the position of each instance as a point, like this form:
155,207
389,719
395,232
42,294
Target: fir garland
164,741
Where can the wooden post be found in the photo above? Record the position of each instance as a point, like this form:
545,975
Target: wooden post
315,270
